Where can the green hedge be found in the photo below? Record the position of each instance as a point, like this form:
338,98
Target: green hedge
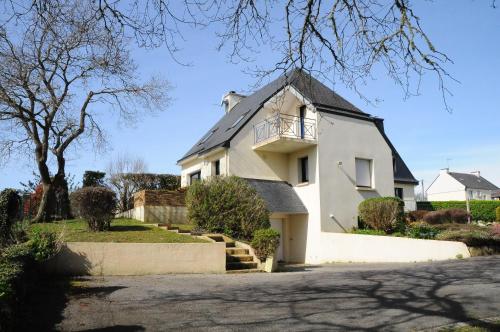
480,210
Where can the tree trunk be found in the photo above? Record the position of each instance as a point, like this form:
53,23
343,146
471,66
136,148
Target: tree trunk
61,190
44,209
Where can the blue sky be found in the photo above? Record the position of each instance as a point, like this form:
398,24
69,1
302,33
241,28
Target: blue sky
426,135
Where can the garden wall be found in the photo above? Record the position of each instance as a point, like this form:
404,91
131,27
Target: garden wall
93,258
340,247
158,206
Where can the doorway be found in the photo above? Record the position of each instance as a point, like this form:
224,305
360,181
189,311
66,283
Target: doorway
277,224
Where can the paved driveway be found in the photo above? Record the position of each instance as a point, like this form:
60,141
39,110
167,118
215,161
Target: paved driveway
335,297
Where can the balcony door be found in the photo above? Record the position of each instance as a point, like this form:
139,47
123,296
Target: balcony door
301,121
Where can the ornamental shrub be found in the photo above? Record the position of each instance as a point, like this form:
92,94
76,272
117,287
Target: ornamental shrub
495,230
10,203
421,230
265,242
96,205
226,205
498,213
446,216
476,238
382,213
480,210
417,215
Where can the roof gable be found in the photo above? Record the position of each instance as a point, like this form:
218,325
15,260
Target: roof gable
471,181
228,126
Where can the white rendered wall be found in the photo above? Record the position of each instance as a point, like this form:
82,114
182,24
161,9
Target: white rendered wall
446,188
408,195
339,247
205,165
342,139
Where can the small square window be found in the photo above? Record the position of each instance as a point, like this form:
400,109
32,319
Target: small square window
364,173
303,169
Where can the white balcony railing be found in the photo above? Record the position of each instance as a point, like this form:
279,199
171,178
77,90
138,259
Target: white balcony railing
285,125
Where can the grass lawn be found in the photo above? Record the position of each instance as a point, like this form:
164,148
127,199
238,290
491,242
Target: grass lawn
122,230
184,227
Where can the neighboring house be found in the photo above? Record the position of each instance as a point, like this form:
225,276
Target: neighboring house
453,186
495,195
312,156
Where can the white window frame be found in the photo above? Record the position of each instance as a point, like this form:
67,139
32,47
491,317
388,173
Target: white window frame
359,183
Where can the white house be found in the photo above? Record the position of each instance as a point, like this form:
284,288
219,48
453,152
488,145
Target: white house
453,186
312,156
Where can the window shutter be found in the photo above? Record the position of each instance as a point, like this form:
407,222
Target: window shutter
363,173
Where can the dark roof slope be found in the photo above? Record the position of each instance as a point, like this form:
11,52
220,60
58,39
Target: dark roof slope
473,181
279,196
312,89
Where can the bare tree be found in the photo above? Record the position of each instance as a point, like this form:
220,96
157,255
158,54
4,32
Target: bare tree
59,66
119,170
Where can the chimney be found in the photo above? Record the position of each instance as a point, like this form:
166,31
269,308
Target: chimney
230,100
444,171
476,173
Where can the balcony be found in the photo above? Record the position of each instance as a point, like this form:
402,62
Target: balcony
284,133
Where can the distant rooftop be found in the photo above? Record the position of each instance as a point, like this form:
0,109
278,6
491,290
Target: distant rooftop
473,181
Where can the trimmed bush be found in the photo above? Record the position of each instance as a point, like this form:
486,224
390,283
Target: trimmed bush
10,203
265,242
480,210
446,216
226,205
497,213
382,213
96,205
417,215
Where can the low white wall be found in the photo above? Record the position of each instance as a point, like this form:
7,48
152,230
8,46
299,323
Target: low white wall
339,247
94,258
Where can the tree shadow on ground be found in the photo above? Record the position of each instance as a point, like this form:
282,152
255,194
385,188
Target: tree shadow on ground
129,228
44,307
120,328
389,300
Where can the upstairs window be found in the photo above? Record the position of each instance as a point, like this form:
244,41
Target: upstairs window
364,173
303,170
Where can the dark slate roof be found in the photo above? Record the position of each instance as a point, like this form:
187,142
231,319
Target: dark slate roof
402,173
312,89
279,196
473,181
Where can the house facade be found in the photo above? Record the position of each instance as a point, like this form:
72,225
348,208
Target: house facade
453,186
312,156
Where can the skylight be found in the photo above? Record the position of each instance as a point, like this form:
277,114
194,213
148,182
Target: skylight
238,120
207,136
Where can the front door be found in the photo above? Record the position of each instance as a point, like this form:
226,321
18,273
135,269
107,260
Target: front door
277,224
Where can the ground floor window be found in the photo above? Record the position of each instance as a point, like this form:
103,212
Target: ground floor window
193,177
217,167
398,192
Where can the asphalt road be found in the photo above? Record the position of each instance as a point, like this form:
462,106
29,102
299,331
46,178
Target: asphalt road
389,297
